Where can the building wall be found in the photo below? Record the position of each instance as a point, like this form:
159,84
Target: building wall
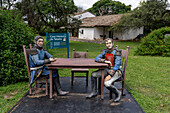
93,33
128,34
86,33
98,32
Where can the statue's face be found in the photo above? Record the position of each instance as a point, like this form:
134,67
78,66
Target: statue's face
109,44
40,42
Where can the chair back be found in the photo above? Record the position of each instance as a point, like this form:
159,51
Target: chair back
80,54
30,46
124,59
26,54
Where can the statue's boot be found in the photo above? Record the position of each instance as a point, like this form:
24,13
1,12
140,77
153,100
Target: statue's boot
57,86
93,87
116,92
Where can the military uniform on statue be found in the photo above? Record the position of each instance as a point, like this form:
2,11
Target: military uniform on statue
112,57
37,58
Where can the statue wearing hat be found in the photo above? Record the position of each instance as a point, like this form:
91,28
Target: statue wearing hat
112,57
39,56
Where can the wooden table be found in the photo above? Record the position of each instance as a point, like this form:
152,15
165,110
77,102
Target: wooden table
65,63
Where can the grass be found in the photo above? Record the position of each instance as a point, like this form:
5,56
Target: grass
11,94
147,77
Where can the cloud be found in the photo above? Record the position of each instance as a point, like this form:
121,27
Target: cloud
85,3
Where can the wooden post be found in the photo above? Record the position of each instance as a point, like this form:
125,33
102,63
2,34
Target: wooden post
102,85
103,33
51,85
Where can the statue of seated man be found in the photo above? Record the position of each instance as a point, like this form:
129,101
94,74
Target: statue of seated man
112,57
38,57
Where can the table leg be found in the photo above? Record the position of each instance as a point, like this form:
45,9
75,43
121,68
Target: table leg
102,85
51,85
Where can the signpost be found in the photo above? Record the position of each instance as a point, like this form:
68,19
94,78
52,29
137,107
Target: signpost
58,40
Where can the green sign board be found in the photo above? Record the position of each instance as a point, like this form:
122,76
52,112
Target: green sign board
58,40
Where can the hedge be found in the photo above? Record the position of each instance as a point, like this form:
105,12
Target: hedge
14,33
157,43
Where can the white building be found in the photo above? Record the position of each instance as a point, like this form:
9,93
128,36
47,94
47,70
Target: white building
79,16
98,28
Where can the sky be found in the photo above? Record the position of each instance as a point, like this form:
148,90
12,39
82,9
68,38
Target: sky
89,3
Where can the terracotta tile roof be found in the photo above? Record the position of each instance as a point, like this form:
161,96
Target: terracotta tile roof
100,21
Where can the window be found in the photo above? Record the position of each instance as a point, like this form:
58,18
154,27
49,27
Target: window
81,31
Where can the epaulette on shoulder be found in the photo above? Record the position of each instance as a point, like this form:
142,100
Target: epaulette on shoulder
33,51
118,52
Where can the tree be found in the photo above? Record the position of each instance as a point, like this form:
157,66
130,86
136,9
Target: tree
49,13
151,14
80,9
108,7
7,4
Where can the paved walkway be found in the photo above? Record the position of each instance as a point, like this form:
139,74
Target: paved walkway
76,102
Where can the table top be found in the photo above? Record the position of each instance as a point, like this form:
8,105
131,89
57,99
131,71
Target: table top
76,63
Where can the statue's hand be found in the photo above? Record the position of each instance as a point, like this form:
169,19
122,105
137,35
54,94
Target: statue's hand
108,62
52,59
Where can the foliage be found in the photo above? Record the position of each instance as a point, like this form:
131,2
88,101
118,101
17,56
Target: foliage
49,13
45,29
155,43
80,9
14,34
109,7
151,14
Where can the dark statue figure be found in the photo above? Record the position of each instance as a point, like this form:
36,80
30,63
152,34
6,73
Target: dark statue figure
39,56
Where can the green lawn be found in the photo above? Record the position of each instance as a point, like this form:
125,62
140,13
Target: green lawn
147,77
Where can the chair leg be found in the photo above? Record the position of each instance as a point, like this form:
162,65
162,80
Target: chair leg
46,86
87,73
30,90
72,78
35,84
123,86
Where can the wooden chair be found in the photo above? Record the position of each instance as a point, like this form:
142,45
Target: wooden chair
79,70
124,65
40,79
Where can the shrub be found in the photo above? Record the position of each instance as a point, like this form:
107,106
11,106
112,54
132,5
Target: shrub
14,33
156,43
